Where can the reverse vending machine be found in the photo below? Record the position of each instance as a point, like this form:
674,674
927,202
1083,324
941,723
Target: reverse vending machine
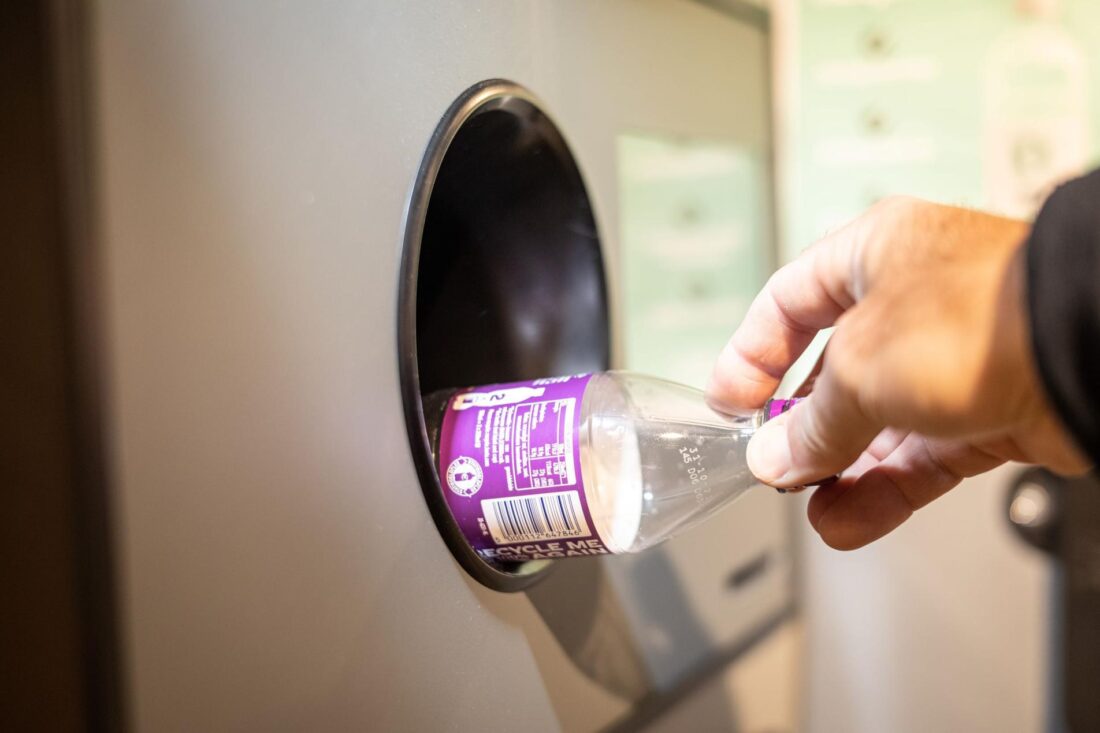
282,225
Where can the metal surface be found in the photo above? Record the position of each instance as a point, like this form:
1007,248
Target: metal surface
1060,516
1034,507
278,566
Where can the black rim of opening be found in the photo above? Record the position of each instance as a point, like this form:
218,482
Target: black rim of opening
484,96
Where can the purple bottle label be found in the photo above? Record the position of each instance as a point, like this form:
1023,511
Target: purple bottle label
775,408
509,462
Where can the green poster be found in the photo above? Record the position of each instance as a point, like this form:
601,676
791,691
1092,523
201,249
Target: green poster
693,225
985,103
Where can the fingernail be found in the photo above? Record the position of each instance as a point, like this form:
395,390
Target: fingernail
769,454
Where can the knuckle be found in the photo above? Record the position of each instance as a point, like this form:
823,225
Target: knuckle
788,271
847,353
723,374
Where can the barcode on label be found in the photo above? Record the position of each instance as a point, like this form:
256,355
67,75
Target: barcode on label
553,516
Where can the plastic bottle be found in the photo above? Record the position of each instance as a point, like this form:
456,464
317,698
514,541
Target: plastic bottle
590,464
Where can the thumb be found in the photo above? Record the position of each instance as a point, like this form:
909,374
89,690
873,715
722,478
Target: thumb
817,438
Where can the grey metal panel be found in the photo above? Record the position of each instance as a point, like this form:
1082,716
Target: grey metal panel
278,565
685,70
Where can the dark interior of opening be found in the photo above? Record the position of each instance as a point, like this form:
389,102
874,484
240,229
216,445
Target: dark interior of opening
502,278
511,281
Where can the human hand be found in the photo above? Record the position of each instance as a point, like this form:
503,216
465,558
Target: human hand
928,378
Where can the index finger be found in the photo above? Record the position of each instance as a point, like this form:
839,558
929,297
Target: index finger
799,300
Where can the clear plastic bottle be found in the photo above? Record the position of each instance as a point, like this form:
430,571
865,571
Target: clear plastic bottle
612,462
656,459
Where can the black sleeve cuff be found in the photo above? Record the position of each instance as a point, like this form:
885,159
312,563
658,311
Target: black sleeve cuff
1063,265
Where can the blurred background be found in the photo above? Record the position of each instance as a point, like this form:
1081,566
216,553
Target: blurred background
244,236
951,623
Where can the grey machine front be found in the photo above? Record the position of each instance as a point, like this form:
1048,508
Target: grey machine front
305,216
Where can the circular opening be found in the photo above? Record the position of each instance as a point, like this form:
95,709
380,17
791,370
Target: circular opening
502,277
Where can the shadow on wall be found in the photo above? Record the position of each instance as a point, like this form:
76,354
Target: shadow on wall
629,657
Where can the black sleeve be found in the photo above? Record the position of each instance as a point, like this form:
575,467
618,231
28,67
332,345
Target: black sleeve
1063,264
